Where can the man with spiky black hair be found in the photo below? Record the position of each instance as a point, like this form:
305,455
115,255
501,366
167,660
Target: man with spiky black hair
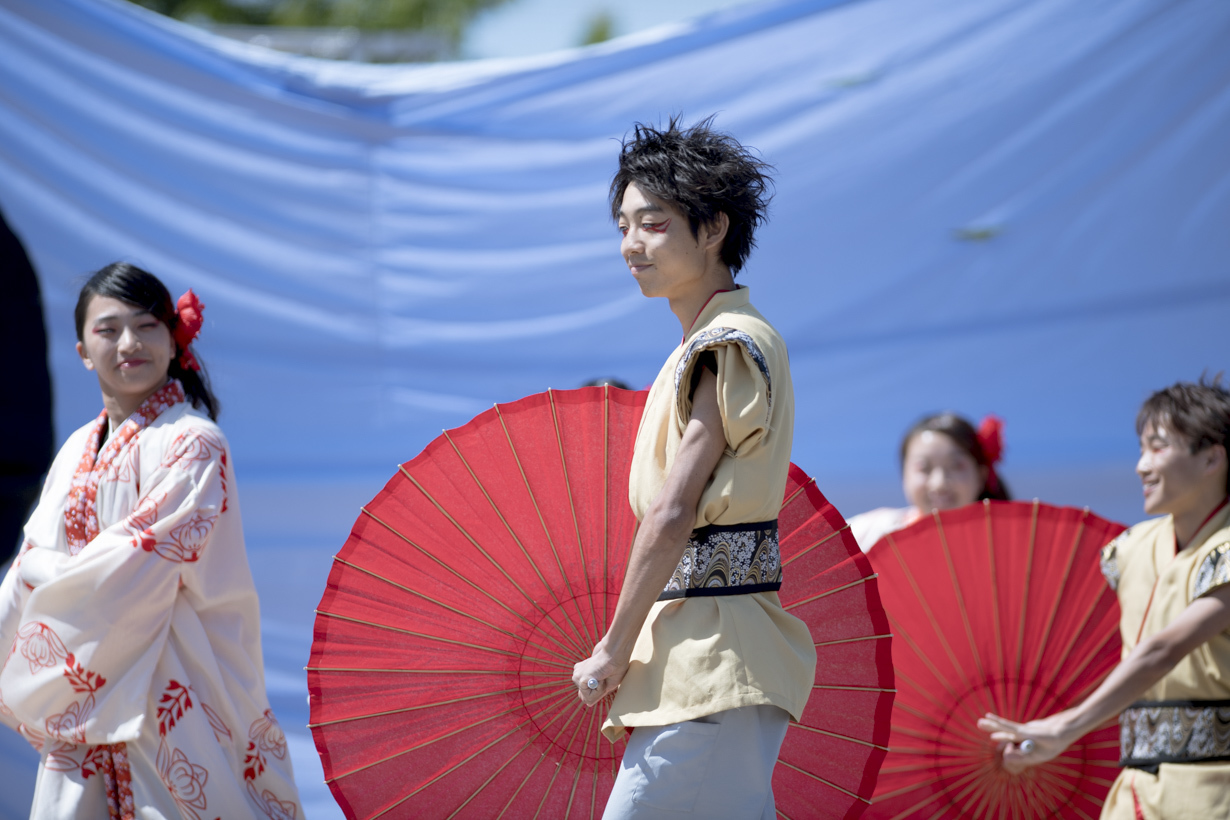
702,658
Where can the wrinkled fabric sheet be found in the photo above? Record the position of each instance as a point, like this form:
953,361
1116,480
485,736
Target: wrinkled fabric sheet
1015,206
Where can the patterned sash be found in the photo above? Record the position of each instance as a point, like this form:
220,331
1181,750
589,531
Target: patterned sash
1174,731
734,560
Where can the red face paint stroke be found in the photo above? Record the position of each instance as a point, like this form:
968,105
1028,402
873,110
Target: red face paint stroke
659,227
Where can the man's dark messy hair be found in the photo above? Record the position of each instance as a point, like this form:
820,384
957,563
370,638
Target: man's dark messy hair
1199,412
702,172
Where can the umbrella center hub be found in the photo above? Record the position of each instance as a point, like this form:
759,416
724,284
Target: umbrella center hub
563,635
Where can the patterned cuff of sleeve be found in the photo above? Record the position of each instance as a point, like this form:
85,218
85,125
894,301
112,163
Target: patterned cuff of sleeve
1214,571
1110,564
715,337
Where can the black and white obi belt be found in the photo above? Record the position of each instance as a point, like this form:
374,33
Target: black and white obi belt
727,560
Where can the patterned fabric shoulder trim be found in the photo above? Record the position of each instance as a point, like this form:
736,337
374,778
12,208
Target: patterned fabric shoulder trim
1214,571
1110,561
715,336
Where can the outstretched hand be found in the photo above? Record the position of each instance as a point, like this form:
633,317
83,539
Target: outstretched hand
603,667
1048,736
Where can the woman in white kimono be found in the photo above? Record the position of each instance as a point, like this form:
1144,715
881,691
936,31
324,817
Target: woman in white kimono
945,464
129,618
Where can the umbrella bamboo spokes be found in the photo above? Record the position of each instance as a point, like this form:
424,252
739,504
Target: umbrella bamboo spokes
572,507
445,606
966,683
496,564
459,575
512,534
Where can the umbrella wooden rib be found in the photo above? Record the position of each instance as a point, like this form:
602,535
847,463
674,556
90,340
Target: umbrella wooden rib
929,739
576,777
433,637
572,506
399,671
452,609
547,792
1085,619
606,497
787,561
457,731
939,633
1067,572
820,779
963,732
493,598
1111,631
534,500
853,640
447,702
450,770
994,587
829,592
838,736
534,564
1020,638
798,490
502,767
529,598
575,707
922,656
931,798
956,588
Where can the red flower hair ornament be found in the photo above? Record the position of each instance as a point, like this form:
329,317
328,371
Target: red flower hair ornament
991,438
189,309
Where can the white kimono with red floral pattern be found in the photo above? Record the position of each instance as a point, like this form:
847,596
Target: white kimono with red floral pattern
132,632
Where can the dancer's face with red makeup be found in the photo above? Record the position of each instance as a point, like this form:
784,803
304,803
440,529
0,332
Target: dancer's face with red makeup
658,245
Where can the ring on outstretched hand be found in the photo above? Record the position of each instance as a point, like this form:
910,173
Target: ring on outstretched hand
592,683
1026,746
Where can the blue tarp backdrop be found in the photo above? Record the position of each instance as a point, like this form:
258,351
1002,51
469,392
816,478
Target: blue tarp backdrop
1009,206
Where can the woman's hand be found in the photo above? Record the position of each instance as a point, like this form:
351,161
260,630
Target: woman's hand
1050,737
605,668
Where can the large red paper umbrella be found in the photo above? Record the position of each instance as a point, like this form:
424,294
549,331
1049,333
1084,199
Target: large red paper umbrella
995,607
440,673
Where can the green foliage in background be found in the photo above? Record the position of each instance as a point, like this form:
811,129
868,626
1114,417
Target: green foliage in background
448,17
600,29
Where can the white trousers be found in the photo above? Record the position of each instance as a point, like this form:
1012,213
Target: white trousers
719,767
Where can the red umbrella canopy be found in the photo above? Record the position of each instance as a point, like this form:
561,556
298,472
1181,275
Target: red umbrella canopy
440,673
995,607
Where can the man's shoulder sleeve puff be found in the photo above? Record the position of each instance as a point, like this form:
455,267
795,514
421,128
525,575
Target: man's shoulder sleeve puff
744,383
1213,570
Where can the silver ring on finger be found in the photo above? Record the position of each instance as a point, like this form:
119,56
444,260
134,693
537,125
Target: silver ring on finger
592,683
1027,746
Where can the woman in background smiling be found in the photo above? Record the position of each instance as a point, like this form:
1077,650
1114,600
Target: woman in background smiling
945,463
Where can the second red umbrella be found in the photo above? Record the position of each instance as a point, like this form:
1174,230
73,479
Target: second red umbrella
995,607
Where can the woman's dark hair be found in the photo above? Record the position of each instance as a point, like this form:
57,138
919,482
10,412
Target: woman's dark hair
1199,412
965,437
702,172
142,289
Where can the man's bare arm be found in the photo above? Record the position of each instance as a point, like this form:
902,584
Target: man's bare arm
659,543
1144,666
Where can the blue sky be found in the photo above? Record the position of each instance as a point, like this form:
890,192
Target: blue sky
522,27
